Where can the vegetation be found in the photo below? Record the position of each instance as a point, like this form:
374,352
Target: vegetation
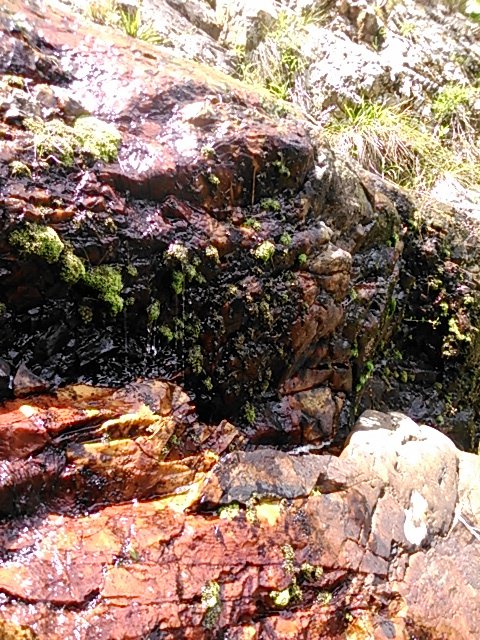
73,268
124,17
264,251
133,25
395,143
39,240
89,139
211,603
107,281
278,61
19,169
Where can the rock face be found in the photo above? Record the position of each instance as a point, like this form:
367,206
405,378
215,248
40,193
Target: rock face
161,220
156,219
379,542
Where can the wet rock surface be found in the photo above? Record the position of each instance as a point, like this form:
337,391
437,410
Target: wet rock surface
195,234
161,222
249,544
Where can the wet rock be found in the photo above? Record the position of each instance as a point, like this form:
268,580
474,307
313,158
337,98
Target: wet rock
26,383
5,379
84,445
290,542
220,245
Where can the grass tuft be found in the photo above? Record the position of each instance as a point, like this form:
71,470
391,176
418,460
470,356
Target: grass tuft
394,143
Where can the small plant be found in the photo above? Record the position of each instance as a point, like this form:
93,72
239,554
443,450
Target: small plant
229,511
270,204
86,313
132,24
324,597
153,312
282,168
213,179
250,413
281,599
195,359
251,223
132,270
408,29
102,11
311,573
166,332
265,251
286,239
212,253
178,282
208,151
178,252
302,259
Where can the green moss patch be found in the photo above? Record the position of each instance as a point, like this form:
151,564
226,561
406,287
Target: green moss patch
107,281
89,138
73,268
35,239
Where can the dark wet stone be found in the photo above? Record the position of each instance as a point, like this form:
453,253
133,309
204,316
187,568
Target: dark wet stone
26,383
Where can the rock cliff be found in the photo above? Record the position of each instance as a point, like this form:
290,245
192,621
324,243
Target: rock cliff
228,293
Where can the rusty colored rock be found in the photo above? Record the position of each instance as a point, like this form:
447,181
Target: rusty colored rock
296,544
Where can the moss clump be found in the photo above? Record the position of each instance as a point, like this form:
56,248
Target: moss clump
213,179
178,282
88,138
19,169
264,251
281,599
132,270
38,240
229,511
251,223
73,268
178,252
195,359
250,413
85,313
167,333
107,281
212,253
153,312
97,138
270,204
